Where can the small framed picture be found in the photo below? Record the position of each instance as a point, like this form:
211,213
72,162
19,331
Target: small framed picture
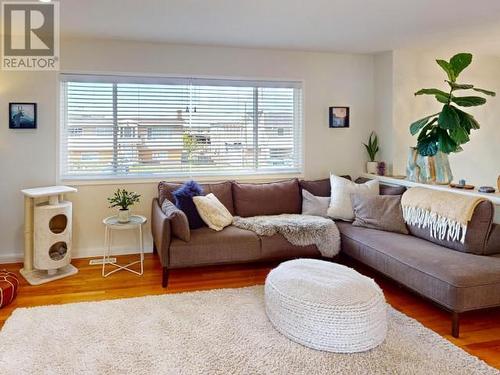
22,115
339,117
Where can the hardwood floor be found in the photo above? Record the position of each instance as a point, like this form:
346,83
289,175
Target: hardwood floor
479,331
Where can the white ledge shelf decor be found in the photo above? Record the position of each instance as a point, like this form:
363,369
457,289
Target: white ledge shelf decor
493,197
47,234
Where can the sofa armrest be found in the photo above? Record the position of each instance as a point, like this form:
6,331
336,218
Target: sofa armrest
493,244
161,231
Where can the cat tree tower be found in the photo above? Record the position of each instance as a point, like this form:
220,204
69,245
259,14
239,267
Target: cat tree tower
47,234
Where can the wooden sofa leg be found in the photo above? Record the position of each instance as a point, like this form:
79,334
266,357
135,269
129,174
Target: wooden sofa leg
164,280
455,324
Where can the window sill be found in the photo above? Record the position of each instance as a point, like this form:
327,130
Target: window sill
264,177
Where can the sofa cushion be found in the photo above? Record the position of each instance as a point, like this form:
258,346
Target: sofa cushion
391,190
208,247
277,247
271,198
478,230
382,212
319,188
213,212
165,190
314,205
384,189
340,200
184,201
459,281
178,220
493,245
221,190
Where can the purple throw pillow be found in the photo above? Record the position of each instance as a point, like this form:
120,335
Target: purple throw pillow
184,202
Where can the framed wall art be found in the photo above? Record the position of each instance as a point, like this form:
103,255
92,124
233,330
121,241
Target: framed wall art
339,117
22,116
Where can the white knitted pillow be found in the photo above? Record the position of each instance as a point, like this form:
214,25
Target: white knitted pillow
213,212
340,197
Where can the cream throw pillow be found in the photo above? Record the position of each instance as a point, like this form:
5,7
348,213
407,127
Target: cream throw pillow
340,197
213,212
313,205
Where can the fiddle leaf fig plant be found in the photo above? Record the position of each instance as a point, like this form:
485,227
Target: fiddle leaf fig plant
447,130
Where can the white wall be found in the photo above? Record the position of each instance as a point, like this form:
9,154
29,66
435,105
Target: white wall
414,69
28,158
384,83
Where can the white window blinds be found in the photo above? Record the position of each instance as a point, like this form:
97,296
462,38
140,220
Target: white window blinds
114,127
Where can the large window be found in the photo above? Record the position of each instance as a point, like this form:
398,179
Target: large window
114,127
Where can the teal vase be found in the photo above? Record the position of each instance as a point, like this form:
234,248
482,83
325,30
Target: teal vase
428,169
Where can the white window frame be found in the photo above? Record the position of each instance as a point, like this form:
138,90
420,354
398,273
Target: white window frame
166,79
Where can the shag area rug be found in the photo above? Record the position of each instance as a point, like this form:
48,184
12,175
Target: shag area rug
216,332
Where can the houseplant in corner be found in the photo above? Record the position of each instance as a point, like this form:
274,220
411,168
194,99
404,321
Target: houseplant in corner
372,150
123,199
444,132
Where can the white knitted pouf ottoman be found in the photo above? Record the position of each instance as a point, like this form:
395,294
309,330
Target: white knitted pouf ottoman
326,306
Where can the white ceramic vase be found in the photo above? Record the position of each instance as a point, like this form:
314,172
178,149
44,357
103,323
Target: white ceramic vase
123,216
371,167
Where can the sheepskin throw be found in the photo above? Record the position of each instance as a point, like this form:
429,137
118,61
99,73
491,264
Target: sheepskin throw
445,214
299,230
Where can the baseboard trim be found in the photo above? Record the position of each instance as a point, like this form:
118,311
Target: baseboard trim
11,258
94,253
77,254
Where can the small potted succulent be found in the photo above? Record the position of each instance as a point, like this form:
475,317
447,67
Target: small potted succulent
372,150
123,199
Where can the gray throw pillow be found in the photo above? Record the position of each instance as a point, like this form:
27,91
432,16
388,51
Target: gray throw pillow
382,212
313,205
178,220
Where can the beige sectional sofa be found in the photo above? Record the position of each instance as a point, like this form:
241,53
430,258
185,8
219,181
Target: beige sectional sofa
459,277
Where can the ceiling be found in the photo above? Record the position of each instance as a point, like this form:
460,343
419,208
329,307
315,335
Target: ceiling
363,26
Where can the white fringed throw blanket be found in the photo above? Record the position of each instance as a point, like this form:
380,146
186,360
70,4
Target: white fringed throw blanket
445,214
299,230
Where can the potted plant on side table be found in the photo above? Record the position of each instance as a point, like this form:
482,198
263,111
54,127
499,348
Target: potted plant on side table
372,150
444,132
123,199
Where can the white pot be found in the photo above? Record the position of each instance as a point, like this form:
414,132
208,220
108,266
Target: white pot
371,167
123,216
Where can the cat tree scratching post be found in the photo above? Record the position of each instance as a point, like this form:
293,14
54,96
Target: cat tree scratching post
47,234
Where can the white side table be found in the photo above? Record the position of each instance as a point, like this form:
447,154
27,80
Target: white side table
111,223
